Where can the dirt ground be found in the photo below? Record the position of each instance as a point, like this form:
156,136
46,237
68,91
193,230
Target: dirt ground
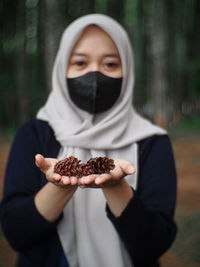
185,251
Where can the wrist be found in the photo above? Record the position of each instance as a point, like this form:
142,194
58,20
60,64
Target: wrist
121,185
118,196
51,200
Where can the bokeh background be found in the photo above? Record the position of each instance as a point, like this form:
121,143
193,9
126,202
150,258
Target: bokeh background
166,40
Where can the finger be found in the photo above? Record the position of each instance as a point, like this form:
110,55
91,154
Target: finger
41,162
102,178
129,169
73,180
88,179
56,177
126,167
65,180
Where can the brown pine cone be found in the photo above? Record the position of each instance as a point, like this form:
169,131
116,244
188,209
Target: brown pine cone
67,167
101,164
72,167
84,170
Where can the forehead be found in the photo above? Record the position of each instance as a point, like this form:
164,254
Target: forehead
93,38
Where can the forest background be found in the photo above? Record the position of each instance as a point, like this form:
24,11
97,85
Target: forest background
166,40
165,37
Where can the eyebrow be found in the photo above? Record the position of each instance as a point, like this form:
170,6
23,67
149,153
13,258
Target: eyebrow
106,55
79,54
112,55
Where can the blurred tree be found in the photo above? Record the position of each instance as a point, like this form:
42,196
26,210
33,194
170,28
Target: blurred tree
193,37
23,32
8,94
115,8
183,56
157,55
100,6
51,26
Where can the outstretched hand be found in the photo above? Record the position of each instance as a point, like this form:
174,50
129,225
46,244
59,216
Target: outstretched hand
122,169
46,165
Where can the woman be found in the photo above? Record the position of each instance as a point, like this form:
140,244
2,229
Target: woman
124,218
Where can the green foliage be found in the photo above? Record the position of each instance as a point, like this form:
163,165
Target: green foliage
100,6
190,123
188,126
194,79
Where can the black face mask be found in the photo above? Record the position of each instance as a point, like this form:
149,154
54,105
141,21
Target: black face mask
94,92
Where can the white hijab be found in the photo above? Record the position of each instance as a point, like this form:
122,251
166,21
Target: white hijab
87,236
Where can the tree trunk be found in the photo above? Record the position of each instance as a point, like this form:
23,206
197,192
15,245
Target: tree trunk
158,82
21,67
115,8
140,57
52,28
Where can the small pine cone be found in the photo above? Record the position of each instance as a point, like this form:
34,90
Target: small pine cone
101,164
87,170
80,168
67,167
84,170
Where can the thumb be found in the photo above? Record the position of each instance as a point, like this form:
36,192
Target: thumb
127,167
41,162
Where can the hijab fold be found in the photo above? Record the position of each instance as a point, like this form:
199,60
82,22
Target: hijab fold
87,236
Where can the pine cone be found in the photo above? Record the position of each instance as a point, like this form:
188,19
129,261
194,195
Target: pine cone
72,167
67,167
84,170
101,164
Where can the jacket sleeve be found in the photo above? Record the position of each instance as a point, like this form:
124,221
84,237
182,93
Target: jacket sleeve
146,226
22,224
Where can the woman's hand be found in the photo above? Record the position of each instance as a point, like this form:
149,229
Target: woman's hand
46,165
53,197
122,168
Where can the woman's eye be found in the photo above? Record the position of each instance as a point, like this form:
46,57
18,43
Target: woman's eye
79,63
111,65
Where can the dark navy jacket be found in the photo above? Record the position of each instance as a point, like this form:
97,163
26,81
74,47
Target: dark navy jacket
146,226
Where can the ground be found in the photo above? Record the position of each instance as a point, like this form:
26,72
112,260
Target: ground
185,251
